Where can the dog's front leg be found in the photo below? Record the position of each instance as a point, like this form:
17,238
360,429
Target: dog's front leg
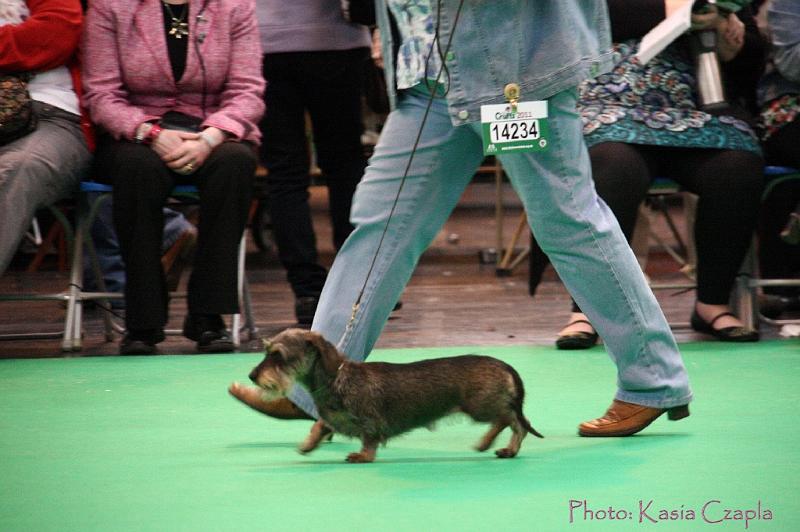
367,452
319,431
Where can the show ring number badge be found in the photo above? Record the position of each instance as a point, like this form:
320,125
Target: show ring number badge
514,127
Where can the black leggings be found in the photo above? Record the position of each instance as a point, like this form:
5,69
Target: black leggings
777,259
728,184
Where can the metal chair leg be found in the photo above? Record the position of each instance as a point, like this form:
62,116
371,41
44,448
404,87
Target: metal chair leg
237,318
72,341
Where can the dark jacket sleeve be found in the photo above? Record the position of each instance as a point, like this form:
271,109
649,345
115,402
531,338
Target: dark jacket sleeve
743,71
632,19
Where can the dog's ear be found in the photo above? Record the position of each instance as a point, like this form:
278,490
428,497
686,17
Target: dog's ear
328,354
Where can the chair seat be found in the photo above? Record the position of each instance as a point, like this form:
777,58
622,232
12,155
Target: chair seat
93,186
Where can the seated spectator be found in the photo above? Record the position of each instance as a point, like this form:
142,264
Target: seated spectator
40,38
189,119
779,97
313,62
643,122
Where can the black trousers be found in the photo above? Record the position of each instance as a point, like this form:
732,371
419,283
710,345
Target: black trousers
142,184
777,259
327,85
728,183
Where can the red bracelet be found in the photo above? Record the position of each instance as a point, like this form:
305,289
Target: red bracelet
155,131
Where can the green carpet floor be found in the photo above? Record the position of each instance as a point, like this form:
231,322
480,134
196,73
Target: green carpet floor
155,443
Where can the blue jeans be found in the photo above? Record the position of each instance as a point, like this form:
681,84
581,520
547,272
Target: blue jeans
573,226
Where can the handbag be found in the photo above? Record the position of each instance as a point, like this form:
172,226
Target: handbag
17,116
181,122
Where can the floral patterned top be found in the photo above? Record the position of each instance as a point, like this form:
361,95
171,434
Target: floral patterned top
778,113
416,23
655,105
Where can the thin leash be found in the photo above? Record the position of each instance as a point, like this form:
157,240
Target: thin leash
442,67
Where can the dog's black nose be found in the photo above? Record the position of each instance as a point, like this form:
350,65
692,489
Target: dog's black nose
254,375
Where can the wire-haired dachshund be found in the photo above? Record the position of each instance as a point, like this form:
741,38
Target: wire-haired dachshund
374,401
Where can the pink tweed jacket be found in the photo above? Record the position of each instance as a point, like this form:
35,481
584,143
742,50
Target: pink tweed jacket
128,79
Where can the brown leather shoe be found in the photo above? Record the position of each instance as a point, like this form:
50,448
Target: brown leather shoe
278,408
624,419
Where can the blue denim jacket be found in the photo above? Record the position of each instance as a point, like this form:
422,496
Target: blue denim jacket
544,46
783,73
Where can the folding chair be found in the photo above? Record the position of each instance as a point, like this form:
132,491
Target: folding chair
750,283
69,235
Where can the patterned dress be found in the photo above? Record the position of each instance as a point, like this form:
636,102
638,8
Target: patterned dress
655,105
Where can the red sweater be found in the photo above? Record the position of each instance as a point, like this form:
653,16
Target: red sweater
46,40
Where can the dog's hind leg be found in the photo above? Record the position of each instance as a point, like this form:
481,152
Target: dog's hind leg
319,432
489,437
518,434
367,452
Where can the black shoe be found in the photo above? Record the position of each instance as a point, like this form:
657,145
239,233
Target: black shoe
773,306
577,339
141,342
209,331
304,309
726,334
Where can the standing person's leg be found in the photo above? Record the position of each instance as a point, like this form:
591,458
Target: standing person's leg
589,251
284,152
225,182
38,170
334,103
621,178
443,164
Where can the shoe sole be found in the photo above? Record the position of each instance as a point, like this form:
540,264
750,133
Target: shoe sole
576,341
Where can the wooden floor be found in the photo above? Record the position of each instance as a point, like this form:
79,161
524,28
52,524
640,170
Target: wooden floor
452,300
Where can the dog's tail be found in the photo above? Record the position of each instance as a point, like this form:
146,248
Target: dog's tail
516,403
526,425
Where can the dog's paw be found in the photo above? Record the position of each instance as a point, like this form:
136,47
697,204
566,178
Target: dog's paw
481,447
505,453
319,433
359,458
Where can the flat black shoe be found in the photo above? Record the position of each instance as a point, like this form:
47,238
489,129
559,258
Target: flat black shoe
578,339
726,334
209,332
140,342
